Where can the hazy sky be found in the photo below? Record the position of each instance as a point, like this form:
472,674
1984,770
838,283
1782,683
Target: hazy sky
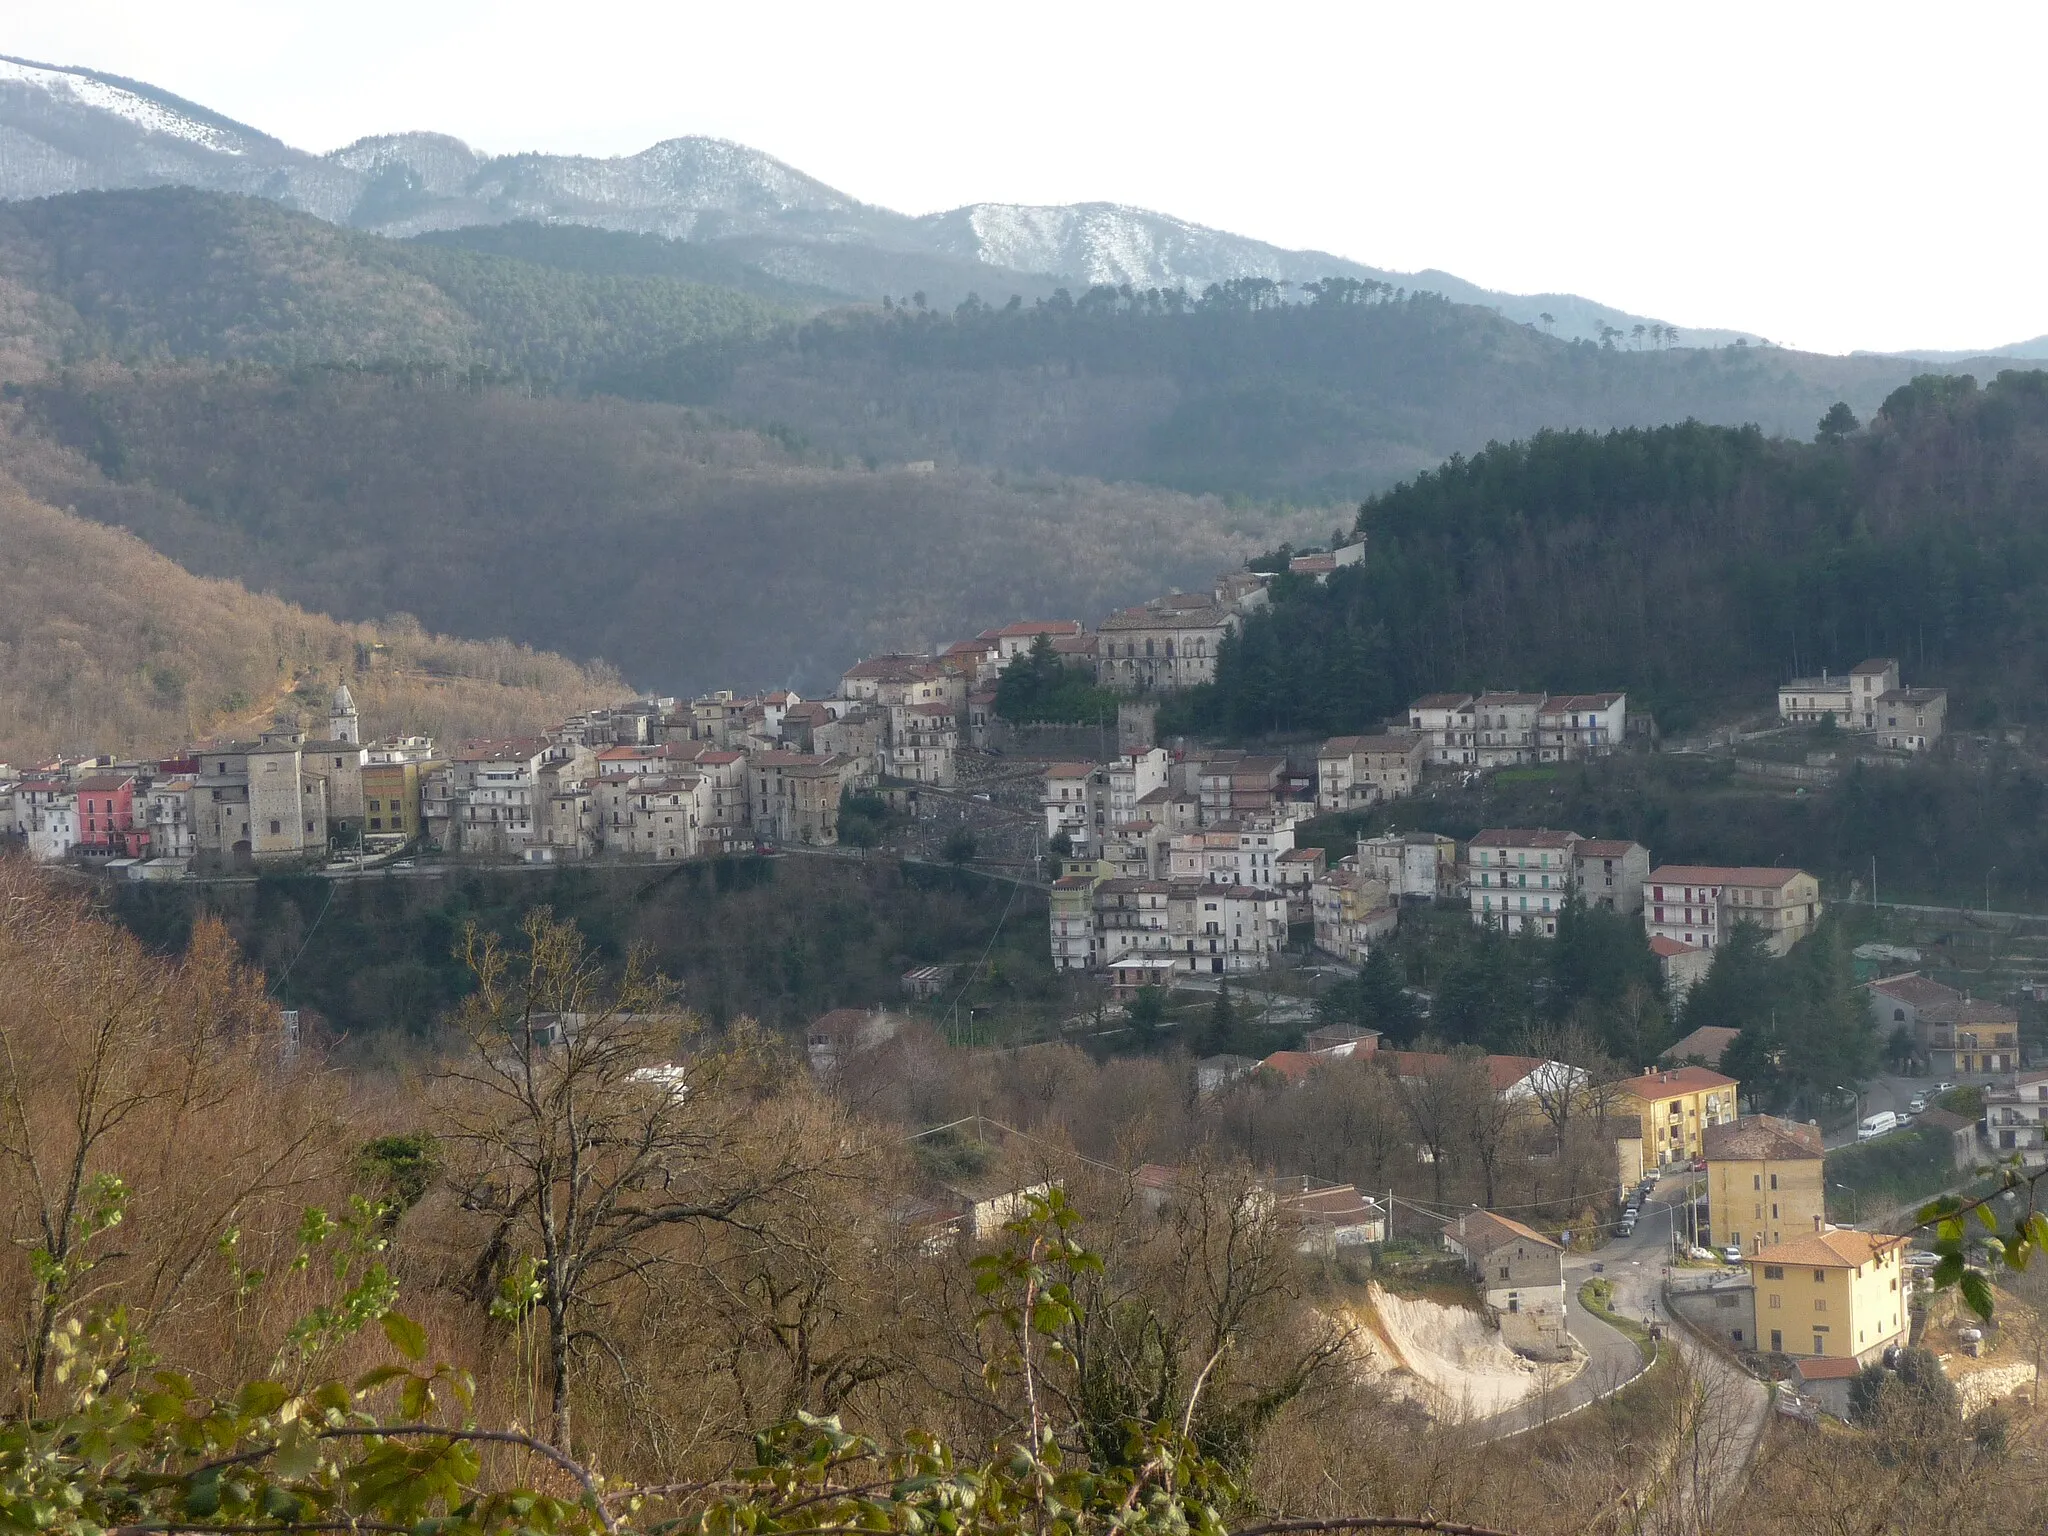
1832,176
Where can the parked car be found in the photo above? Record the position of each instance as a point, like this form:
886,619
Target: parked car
1879,1124
1940,1088
1917,1103
1732,1253
1627,1227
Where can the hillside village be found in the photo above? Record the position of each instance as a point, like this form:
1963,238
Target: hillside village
1168,865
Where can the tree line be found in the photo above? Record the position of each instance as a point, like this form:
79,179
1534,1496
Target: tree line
1694,566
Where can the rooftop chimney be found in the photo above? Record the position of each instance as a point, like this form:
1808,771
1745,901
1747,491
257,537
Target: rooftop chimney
1817,1225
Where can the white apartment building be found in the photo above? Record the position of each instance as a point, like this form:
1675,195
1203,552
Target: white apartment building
2016,1119
1353,772
1073,803
166,810
1445,723
1520,877
1226,930
1127,781
1572,727
493,801
46,818
1232,853
1696,904
1851,699
1084,800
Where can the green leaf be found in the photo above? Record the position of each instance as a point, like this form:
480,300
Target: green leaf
1987,1216
258,1398
415,1398
406,1336
370,1381
1977,1293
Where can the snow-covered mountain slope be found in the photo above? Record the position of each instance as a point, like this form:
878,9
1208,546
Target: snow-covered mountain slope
76,130
1090,243
67,130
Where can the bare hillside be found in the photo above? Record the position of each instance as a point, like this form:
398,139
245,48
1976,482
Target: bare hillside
106,645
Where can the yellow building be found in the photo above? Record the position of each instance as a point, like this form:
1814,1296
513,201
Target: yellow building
1840,1291
1676,1106
1763,1180
391,797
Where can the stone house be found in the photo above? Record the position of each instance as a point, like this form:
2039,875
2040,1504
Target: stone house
1165,644
1521,1273
1419,866
1911,719
1353,772
793,797
1504,728
1609,872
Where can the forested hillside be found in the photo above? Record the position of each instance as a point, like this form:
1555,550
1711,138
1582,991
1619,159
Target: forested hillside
1229,391
1695,566
171,273
689,555
106,646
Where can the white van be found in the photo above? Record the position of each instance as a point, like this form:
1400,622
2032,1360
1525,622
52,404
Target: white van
1877,1125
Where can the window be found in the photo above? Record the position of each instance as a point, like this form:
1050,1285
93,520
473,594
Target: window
1777,1301
1774,1181
1820,1303
1774,1271
1820,1277
1756,1181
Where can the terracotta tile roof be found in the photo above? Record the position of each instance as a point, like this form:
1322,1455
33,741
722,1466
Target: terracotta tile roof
1665,948
1723,874
1524,837
1294,1066
1442,701
1969,1010
104,783
1155,1176
1606,848
1759,1138
1345,746
1707,1042
1068,770
1877,666
1912,695
1480,1232
1565,703
1837,1248
1920,991
1669,1082
1501,700
1828,1368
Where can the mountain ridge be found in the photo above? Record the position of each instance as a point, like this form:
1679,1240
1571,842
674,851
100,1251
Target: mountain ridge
69,129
